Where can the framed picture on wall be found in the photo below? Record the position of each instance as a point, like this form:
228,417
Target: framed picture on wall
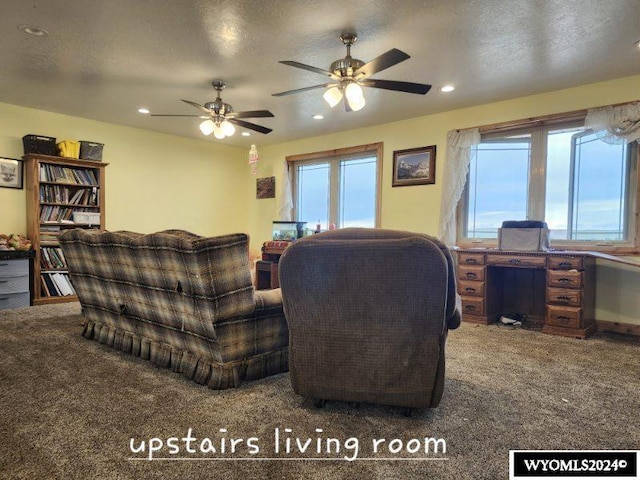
414,166
10,173
266,187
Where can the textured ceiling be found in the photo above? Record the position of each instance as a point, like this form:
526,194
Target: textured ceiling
104,59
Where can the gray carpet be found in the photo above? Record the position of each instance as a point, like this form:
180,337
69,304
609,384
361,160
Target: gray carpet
69,407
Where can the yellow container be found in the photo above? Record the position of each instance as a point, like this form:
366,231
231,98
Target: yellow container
69,149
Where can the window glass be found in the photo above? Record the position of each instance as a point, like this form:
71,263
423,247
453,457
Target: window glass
498,184
338,188
313,194
358,192
563,175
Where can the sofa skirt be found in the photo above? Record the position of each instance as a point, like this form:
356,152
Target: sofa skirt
202,370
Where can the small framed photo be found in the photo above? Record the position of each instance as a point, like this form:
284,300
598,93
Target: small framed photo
266,187
10,173
414,166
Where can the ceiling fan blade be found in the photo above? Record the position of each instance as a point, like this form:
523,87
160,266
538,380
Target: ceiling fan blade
250,114
171,115
198,106
250,126
407,87
381,62
299,90
310,68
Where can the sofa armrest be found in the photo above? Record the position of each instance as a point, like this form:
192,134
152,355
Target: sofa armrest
266,299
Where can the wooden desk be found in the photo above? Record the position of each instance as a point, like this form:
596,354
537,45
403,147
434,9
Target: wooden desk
555,289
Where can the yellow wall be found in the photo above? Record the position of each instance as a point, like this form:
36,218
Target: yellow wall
157,181
417,208
154,181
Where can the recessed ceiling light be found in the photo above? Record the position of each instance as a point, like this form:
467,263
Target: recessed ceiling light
447,88
318,117
144,110
245,134
34,31
637,44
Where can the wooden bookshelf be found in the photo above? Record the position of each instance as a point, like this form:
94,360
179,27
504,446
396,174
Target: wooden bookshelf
56,188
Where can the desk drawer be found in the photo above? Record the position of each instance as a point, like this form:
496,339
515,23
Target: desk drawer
14,268
14,284
564,296
473,306
517,261
472,289
470,259
471,272
564,278
569,317
14,300
565,263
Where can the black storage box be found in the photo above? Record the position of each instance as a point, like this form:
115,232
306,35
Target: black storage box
39,144
91,150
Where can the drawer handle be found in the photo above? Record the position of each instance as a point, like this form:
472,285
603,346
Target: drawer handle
4,281
471,275
469,289
4,264
565,264
470,260
564,280
4,298
470,307
563,297
563,318
514,261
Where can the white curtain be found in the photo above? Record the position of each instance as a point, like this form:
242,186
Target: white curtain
615,125
285,196
459,143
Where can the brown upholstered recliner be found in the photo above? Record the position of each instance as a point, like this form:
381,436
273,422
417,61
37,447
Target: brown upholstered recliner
368,312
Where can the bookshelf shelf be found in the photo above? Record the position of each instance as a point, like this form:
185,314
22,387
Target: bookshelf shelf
57,187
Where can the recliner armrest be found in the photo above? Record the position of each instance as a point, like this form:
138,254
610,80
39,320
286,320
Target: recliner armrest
454,320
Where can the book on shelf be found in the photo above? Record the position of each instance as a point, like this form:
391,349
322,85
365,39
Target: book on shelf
52,258
59,174
56,284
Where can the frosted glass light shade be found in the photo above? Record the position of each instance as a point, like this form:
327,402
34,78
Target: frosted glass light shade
332,96
218,132
228,128
354,95
207,127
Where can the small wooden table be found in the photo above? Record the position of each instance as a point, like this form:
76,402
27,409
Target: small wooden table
267,268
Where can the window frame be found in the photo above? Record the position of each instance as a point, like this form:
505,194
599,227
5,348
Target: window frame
538,128
335,156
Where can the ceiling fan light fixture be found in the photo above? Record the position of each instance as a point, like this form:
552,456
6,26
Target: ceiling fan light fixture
218,132
207,127
354,95
228,128
332,96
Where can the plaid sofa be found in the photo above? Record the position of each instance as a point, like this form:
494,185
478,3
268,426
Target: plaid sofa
183,301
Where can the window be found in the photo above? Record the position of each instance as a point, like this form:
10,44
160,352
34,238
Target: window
563,174
340,187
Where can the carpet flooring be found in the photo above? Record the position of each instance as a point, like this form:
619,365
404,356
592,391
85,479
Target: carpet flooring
70,407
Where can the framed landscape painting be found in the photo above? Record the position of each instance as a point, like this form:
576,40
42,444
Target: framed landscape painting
10,173
414,166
